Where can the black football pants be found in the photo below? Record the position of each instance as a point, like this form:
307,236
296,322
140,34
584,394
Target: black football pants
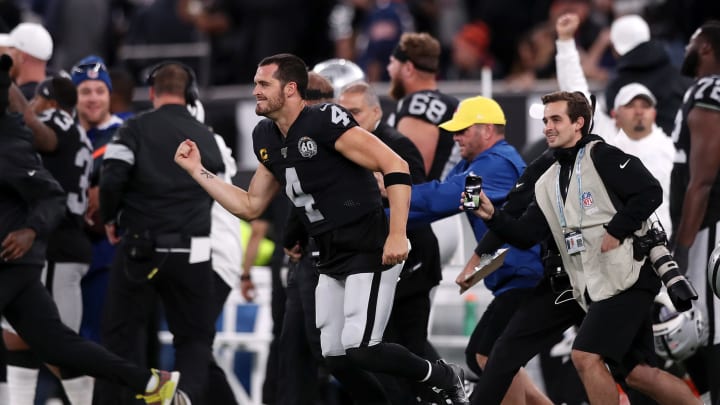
185,290
536,326
300,352
27,305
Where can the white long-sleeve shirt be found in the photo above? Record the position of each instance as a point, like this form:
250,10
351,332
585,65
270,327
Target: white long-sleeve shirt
571,77
656,151
225,228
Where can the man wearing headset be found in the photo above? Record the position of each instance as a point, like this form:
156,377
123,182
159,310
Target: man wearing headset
160,220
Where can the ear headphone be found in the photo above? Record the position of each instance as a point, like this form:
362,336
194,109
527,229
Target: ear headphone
191,88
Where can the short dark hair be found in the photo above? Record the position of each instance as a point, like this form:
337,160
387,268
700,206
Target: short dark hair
710,31
577,106
61,90
290,69
171,78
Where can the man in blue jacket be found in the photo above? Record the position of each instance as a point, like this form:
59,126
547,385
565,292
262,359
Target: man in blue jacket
478,127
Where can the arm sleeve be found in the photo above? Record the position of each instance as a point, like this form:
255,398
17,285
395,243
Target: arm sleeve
116,167
335,122
523,232
570,75
43,194
518,199
435,200
634,200
489,243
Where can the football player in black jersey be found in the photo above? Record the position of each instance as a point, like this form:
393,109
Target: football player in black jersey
421,107
300,355
324,162
422,272
695,188
69,251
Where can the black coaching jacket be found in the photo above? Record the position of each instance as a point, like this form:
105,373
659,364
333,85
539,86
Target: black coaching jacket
141,186
29,196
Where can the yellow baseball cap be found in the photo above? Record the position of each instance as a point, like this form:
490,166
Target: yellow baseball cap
475,110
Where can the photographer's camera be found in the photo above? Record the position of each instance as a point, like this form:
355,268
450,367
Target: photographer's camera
654,245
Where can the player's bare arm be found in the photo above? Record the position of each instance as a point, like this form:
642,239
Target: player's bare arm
424,135
248,204
704,166
368,151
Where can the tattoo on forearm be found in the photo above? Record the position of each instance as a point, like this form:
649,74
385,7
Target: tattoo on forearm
206,174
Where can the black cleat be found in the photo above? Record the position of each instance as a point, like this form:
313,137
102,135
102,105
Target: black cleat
455,392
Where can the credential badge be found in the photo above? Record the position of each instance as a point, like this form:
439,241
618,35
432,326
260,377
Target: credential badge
307,147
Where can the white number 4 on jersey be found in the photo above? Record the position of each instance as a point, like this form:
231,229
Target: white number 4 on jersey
339,115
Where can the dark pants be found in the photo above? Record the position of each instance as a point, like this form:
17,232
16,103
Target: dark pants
270,387
300,352
185,290
408,326
537,325
27,305
562,382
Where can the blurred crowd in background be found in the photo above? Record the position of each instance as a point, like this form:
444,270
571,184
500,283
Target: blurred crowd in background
515,38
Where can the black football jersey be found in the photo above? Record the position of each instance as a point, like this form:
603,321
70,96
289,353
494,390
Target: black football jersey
704,93
327,189
434,107
71,164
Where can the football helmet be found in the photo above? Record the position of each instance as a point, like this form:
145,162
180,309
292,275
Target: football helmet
340,72
197,110
677,335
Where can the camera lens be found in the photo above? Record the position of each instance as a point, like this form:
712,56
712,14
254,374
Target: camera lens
680,290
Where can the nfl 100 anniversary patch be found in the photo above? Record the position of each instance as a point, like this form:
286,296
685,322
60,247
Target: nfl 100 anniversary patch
307,147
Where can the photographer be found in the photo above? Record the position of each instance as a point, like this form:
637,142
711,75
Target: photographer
576,202
542,318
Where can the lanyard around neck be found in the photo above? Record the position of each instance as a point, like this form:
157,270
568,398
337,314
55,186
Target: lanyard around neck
558,195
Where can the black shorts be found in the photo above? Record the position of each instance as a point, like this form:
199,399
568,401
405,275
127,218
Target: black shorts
495,319
620,330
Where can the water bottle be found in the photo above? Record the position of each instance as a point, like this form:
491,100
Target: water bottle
470,319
